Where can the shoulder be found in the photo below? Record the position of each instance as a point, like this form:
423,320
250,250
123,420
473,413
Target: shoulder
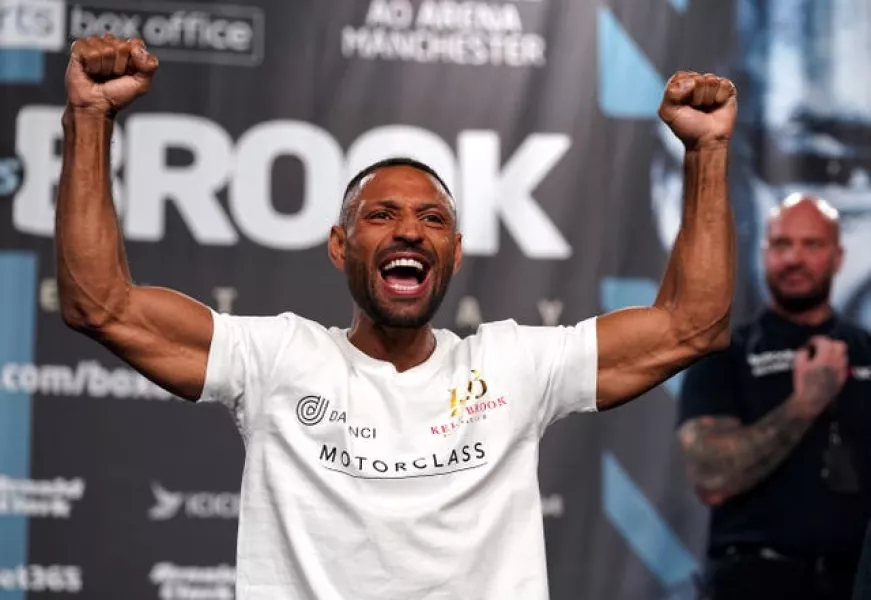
270,335
854,334
535,342
510,327
743,331
852,328
280,325
508,331
491,338
505,328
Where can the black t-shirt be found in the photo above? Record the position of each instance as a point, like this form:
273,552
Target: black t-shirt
792,510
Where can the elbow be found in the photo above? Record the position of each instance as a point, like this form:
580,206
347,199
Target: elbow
91,318
90,302
83,320
721,339
703,337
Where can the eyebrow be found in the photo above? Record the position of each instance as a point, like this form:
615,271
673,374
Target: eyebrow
395,206
431,205
799,238
386,204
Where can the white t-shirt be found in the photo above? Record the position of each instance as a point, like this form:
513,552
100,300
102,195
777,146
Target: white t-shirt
363,483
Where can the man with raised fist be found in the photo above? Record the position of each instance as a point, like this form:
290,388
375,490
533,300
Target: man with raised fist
424,485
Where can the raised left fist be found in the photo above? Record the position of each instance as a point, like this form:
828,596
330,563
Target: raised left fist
699,109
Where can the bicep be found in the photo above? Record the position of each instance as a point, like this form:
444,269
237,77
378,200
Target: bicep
638,350
165,336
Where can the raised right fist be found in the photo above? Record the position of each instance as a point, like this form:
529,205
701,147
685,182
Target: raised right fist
105,74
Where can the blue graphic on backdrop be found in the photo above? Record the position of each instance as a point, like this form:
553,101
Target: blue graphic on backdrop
629,84
630,87
625,505
18,65
643,528
17,322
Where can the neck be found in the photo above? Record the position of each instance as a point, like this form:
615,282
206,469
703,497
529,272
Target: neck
812,316
403,348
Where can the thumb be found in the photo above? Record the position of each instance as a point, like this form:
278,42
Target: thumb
679,88
802,359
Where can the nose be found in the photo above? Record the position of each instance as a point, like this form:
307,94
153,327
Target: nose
409,229
793,255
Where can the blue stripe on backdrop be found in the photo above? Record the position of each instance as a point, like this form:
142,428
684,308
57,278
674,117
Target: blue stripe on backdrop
17,332
21,66
643,528
629,85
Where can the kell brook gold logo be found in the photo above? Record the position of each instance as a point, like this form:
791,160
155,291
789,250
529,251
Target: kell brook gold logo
468,405
475,390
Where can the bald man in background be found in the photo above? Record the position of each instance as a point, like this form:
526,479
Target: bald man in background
776,429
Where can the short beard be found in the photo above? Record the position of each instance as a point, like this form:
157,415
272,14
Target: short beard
801,304
362,290
382,317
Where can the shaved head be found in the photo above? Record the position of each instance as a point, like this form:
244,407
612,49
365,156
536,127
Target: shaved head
805,206
802,252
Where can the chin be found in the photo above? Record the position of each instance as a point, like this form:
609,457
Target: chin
393,314
403,321
800,302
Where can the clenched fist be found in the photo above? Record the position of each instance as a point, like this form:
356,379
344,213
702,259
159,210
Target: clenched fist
819,373
105,74
699,109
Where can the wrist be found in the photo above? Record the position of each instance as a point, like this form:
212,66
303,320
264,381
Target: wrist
707,146
82,116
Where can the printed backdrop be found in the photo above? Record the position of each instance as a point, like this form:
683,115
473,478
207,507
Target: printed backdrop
540,114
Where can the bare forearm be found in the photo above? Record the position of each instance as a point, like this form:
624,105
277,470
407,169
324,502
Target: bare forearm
700,276
725,459
93,278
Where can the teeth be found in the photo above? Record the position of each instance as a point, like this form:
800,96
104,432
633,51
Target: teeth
404,262
404,288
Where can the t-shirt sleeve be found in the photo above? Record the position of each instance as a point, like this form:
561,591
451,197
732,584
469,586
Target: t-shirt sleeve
564,361
241,359
708,388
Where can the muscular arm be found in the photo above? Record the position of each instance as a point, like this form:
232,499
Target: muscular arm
162,334
639,348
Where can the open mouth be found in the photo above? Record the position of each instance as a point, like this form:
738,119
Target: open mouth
405,275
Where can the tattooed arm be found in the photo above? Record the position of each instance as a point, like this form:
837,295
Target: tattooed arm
725,458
